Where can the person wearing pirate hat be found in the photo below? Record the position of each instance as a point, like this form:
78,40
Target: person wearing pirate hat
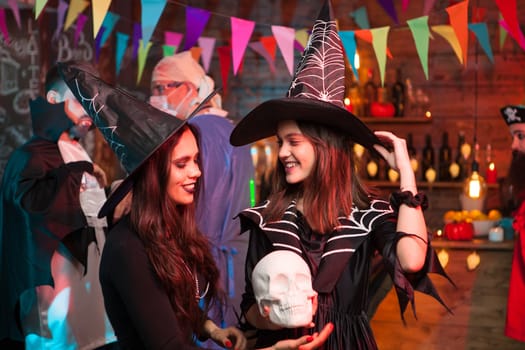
51,238
157,271
514,117
319,207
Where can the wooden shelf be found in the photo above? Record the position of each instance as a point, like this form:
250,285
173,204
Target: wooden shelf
423,184
395,120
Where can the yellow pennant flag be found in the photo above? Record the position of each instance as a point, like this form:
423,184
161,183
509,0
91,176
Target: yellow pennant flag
75,8
100,8
448,33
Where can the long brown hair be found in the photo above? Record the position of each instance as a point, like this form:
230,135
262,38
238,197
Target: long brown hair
173,243
332,186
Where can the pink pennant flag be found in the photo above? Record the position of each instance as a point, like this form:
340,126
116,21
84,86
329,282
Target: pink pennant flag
508,10
404,4
259,47
242,30
520,39
206,44
76,7
459,21
285,37
13,4
172,38
196,20
81,22
3,25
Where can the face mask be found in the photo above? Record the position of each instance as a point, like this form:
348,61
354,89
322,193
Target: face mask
161,102
81,128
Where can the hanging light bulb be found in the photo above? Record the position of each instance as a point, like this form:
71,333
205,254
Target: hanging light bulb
475,186
357,62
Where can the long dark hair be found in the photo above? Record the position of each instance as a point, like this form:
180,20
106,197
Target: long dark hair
332,186
173,243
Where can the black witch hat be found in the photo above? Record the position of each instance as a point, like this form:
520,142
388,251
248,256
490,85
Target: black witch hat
316,93
133,129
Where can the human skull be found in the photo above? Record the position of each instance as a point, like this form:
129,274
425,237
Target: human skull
283,283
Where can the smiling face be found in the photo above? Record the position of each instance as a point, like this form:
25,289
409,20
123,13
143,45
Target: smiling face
296,152
184,169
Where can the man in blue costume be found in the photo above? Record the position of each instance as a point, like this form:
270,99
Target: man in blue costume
51,238
179,84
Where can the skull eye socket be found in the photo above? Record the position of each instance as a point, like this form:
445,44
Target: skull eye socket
303,282
280,284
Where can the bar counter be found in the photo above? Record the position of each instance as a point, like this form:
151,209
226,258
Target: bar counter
478,304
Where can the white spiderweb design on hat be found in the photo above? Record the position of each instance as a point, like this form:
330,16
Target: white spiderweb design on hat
320,74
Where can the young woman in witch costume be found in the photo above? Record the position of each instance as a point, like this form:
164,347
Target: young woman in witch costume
157,272
320,209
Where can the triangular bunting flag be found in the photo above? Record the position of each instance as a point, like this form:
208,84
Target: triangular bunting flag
366,35
172,39
447,32
76,7
168,50
196,53
301,36
3,25
379,39
259,47
97,42
459,20
151,12
388,6
404,4
13,4
99,9
427,7
224,62
421,34
360,17
137,35
108,24
120,50
285,37
482,34
502,32
241,31
508,9
206,44
79,28
61,13
39,6
270,44
196,20
143,55
348,40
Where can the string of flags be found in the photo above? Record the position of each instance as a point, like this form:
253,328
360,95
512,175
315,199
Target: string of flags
286,39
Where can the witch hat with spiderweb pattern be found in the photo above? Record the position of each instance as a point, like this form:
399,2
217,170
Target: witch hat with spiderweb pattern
315,95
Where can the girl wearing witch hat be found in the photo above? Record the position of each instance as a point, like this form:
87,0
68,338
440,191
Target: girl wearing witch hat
320,209
157,272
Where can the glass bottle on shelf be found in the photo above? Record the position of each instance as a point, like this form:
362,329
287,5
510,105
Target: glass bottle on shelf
427,159
369,91
412,153
398,94
356,101
445,156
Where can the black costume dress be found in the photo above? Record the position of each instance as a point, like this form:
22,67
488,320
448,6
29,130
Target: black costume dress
136,302
340,264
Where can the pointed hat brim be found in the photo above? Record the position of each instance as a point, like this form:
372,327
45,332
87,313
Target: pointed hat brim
262,121
133,128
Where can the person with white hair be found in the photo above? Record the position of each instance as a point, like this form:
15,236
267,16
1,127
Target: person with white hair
178,85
